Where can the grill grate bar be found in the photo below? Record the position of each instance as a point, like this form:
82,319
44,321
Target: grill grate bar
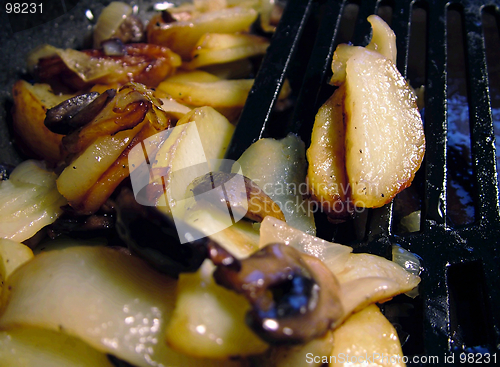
362,30
439,245
434,208
317,72
401,20
482,133
269,80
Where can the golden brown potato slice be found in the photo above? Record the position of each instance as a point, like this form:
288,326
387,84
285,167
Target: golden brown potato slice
222,93
26,347
114,302
384,132
217,48
366,333
326,176
31,103
182,36
209,320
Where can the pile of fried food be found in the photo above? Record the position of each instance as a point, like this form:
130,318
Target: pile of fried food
112,127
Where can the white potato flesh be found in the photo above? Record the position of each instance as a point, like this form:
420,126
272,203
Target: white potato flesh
112,301
366,333
209,320
383,38
28,347
216,48
221,93
384,132
201,136
182,36
12,255
241,239
29,201
278,167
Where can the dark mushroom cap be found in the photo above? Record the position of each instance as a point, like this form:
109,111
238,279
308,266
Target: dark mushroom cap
294,297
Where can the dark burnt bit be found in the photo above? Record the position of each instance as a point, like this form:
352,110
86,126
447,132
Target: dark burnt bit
153,236
294,297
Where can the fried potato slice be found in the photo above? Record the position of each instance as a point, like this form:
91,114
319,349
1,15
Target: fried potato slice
26,347
114,302
29,201
366,333
278,167
201,136
217,48
384,137
182,36
12,255
326,174
31,103
215,330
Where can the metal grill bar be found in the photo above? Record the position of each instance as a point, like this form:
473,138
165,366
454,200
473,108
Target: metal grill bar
439,245
434,210
482,134
271,75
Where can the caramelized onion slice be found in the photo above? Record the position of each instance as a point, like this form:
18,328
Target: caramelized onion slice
294,297
142,63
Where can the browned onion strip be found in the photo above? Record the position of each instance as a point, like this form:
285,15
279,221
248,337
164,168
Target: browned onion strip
142,63
294,297
97,195
128,107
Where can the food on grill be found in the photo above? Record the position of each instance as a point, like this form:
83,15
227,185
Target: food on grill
117,303
135,62
279,168
26,346
273,296
29,201
254,204
182,36
220,48
98,151
367,333
12,255
31,102
118,21
209,321
383,140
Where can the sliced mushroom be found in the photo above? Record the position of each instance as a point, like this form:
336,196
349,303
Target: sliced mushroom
76,112
249,201
294,297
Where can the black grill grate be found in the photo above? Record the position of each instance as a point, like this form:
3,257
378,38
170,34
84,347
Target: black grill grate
459,304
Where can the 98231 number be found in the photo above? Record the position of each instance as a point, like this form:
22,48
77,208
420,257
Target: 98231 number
23,8
478,358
